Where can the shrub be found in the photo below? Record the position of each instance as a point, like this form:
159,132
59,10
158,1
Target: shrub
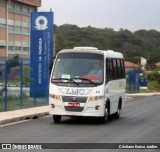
154,76
153,85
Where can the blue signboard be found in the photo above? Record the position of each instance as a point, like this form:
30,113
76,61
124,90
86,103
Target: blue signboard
41,51
143,82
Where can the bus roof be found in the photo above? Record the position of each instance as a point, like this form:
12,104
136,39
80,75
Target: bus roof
106,53
85,48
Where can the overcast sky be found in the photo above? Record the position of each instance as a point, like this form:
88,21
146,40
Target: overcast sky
127,14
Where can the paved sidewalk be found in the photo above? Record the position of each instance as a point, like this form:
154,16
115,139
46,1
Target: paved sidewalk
33,113
142,94
23,114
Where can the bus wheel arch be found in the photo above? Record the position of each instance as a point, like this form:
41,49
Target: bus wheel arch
120,103
119,107
108,106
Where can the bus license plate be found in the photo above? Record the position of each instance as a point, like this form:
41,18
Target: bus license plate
74,104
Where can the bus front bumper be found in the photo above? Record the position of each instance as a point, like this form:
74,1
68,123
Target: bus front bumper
96,111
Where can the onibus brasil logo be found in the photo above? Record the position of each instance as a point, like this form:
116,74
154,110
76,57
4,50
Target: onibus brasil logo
41,23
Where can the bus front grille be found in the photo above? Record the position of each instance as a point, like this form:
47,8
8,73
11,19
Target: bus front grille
74,109
74,99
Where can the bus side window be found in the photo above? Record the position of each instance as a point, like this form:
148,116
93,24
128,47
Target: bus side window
111,74
123,69
107,70
119,68
115,69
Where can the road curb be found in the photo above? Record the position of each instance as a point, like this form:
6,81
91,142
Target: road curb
11,120
24,114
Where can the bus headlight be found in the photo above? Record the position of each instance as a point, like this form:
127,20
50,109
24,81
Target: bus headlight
57,97
94,98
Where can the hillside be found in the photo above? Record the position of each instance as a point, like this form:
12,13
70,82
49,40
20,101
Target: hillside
133,45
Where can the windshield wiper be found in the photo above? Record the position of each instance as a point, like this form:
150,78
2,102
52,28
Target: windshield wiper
86,80
71,79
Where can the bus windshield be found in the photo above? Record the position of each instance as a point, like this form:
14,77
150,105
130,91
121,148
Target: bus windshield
78,69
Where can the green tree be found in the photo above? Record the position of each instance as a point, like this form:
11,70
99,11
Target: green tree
133,45
13,62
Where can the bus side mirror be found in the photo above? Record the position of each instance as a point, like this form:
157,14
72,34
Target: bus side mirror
51,64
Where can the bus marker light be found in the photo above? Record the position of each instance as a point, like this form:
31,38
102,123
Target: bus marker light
52,104
97,107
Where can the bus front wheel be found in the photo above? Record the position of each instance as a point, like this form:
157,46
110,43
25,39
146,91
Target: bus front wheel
57,118
105,117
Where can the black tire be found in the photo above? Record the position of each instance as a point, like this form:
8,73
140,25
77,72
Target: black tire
57,118
105,118
118,113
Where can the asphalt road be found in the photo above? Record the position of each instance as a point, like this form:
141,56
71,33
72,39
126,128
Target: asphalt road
139,123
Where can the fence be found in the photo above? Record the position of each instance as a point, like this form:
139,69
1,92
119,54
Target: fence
132,80
15,83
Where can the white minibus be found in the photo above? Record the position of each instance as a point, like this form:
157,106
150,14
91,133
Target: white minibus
87,82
